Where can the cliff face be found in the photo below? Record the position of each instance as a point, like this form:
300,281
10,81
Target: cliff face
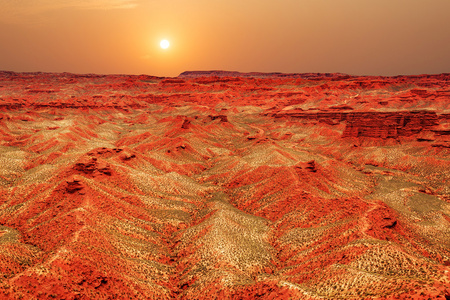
389,125
379,125
311,186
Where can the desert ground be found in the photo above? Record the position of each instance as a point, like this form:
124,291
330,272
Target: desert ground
224,185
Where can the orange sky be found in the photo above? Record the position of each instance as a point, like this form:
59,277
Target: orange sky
364,37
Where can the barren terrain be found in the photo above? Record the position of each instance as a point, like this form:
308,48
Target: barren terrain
223,185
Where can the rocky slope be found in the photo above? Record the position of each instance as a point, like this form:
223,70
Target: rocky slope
207,186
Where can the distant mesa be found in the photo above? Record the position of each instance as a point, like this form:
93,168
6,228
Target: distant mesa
220,73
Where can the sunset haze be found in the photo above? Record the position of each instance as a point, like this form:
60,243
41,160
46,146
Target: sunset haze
351,36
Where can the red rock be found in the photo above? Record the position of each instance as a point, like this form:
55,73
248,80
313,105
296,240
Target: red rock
224,185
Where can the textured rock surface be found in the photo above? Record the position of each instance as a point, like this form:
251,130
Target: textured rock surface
206,186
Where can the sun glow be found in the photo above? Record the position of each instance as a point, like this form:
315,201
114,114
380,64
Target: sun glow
164,44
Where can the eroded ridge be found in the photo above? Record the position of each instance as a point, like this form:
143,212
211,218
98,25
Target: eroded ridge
224,186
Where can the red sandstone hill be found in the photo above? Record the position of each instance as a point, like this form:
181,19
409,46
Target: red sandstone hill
224,185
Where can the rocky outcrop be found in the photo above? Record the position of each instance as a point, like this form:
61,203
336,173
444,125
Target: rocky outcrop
91,166
73,185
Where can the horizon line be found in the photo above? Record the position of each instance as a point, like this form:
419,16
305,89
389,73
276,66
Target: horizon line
227,73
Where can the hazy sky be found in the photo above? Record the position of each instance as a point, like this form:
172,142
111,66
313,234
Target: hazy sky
365,37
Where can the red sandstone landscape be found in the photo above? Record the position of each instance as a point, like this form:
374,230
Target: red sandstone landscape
224,185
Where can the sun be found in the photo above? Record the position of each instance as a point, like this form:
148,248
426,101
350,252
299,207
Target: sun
164,44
